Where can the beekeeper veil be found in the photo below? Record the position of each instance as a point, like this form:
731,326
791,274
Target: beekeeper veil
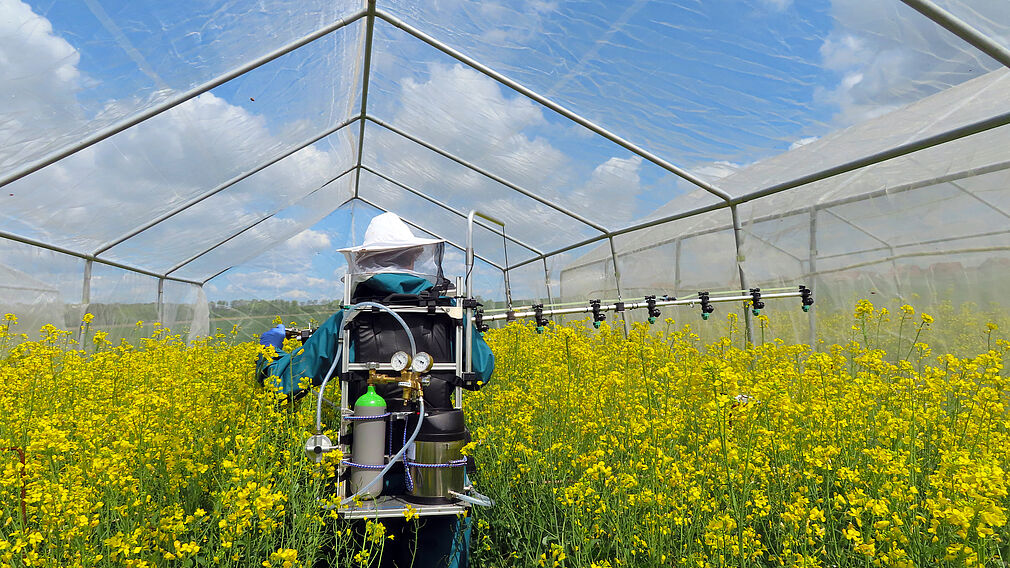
391,247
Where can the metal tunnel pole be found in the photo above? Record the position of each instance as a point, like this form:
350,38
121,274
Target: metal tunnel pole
738,241
161,301
85,298
961,29
366,72
617,281
547,285
812,265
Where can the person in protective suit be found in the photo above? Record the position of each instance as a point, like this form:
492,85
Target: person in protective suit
387,261
391,266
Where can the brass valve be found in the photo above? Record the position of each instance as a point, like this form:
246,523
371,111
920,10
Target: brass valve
409,380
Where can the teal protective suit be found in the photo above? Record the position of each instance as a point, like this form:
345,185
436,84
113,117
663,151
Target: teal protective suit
316,356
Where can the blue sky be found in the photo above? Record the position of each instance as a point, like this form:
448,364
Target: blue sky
711,86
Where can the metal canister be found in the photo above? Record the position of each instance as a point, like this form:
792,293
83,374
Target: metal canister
368,447
436,460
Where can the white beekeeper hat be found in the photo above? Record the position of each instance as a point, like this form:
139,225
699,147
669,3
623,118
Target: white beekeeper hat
388,231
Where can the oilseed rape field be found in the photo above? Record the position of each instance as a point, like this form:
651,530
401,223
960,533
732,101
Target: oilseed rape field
600,449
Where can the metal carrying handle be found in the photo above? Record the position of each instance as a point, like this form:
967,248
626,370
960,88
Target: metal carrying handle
470,253
468,329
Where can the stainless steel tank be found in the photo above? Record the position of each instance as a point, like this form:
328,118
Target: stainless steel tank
440,442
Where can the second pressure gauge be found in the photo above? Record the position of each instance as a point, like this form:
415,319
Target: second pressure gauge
422,363
400,361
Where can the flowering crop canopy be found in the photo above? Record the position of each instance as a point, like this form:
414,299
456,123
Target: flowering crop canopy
198,163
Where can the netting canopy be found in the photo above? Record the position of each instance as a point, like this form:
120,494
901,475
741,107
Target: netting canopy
173,161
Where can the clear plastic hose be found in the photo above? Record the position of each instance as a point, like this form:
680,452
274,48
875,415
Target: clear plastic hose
352,312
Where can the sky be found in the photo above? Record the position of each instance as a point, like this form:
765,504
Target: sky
711,86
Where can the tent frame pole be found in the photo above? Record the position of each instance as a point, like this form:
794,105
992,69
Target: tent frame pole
740,258
365,75
161,301
961,29
812,265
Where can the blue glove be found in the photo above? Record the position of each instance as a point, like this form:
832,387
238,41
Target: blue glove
274,336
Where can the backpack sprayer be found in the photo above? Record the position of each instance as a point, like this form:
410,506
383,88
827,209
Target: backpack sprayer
391,423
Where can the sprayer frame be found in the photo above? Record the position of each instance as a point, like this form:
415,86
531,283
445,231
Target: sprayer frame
395,506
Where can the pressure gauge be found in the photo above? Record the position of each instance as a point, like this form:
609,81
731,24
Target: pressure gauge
400,361
422,363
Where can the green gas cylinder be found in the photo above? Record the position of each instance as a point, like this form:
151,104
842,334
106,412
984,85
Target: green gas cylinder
369,444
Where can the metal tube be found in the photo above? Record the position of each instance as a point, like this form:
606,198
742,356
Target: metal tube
85,298
961,29
738,243
719,294
86,286
676,266
442,205
262,219
161,300
617,279
470,253
812,263
366,72
638,305
177,100
468,312
206,195
488,175
547,284
517,87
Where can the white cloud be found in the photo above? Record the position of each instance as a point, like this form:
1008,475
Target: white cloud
887,56
308,240
38,78
803,142
714,171
472,116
